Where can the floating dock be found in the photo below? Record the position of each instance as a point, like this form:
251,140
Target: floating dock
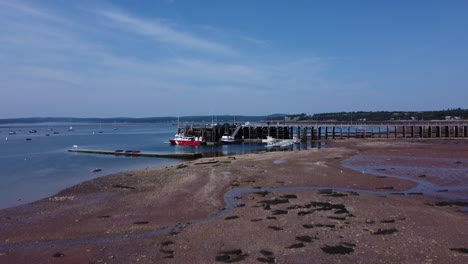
139,154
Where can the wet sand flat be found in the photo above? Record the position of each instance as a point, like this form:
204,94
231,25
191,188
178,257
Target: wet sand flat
361,201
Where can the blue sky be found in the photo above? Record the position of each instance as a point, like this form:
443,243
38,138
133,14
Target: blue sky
173,57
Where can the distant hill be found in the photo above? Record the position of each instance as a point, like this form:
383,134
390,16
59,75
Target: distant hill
167,119
457,113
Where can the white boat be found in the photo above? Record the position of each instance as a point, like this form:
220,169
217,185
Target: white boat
226,139
280,144
269,139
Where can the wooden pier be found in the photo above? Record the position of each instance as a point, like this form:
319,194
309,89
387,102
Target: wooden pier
139,154
253,133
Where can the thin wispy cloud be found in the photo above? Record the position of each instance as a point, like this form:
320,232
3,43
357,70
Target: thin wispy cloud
160,31
22,7
49,51
52,74
253,40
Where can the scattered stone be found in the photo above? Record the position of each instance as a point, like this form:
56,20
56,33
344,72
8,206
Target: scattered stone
306,239
223,258
256,220
302,213
103,216
385,188
422,176
266,252
325,191
279,212
232,252
206,162
461,250
123,186
298,245
337,249
165,251
274,201
173,233
307,206
325,206
415,193
276,228
336,194
231,256
384,231
180,166
451,203
263,194
167,243
325,225
58,255
140,223
348,244
289,196
388,221
267,260
444,190
240,205
271,218
398,193
340,218
231,217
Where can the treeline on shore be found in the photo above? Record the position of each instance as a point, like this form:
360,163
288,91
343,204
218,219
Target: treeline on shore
167,119
451,114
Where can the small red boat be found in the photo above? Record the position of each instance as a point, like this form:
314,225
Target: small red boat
182,140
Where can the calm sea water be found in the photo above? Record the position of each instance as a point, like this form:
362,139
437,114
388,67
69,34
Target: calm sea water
42,166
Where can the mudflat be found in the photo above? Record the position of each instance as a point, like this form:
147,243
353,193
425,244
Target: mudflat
355,201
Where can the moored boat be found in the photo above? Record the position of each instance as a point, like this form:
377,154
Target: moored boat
226,139
180,139
280,143
269,139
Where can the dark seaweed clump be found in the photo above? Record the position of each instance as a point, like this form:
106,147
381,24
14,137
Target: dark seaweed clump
337,249
231,256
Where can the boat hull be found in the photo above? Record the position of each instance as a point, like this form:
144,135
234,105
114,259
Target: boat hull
186,142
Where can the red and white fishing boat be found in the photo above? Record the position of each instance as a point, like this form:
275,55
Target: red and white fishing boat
180,139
